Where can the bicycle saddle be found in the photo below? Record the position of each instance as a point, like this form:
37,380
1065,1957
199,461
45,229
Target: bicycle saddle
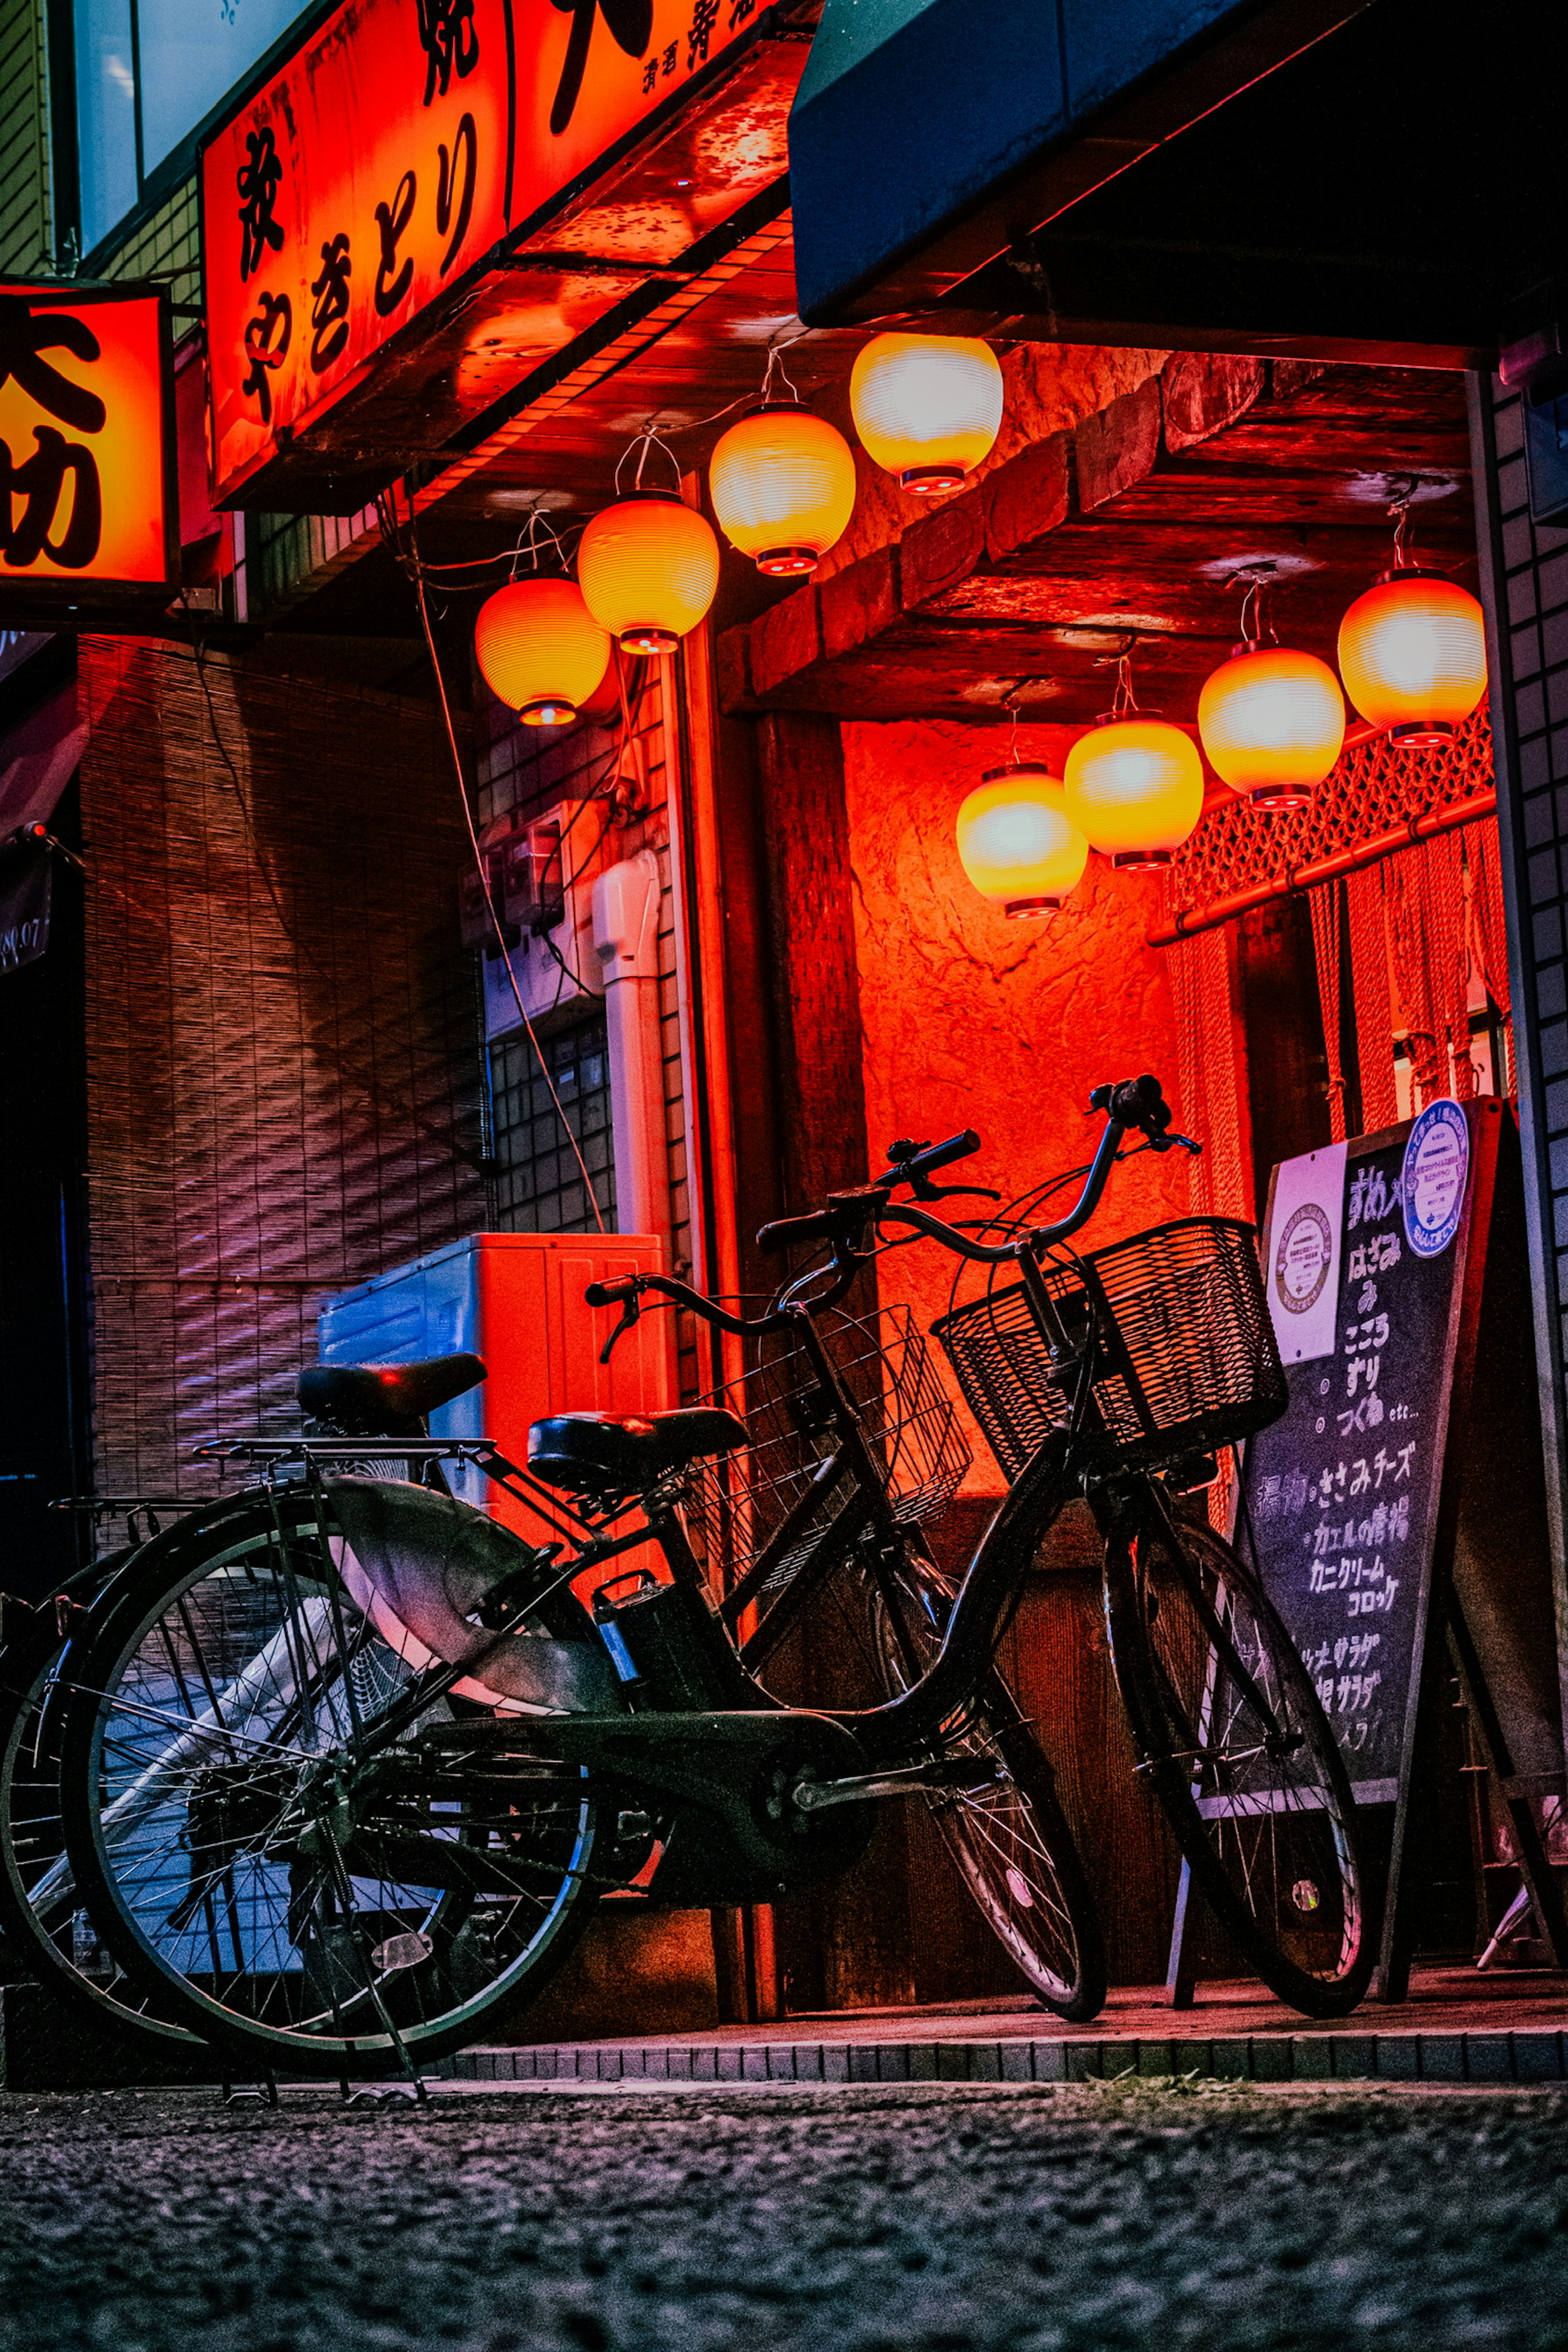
385,1399
603,1454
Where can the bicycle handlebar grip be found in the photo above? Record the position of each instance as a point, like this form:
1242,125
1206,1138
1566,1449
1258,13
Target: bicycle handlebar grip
1138,1102
613,1294
820,1225
943,1155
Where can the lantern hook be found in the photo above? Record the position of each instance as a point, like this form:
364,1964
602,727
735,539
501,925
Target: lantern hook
1253,581
1124,701
776,366
649,438
529,539
1399,508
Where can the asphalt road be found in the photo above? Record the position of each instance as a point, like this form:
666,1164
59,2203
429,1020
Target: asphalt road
931,2219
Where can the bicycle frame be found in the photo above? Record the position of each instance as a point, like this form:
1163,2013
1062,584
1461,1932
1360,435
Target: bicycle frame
1079,1459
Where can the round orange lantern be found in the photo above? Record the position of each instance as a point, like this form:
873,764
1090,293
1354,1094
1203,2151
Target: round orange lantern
927,407
1135,787
783,486
1273,724
1018,844
541,649
648,567
1413,655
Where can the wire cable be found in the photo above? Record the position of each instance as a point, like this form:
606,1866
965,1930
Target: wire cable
491,908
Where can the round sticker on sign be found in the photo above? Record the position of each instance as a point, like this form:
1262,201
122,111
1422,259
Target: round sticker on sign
1437,1163
1302,1260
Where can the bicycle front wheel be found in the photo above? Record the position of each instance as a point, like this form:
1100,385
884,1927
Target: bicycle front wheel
1007,1833
1235,1739
275,1879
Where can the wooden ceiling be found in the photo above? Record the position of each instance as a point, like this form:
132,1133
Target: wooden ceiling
1137,551
1121,536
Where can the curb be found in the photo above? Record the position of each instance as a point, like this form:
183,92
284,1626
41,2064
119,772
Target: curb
1412,2056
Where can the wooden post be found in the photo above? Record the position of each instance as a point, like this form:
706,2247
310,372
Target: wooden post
816,989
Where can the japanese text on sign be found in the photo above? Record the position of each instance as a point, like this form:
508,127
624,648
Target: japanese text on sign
398,147
83,428
1340,1493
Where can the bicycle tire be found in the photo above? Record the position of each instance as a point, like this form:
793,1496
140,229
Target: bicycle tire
1009,1840
41,1911
179,1830
1242,1757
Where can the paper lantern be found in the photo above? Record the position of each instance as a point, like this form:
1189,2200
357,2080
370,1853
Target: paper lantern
1136,786
1273,724
1413,655
648,568
541,649
783,486
927,407
1018,844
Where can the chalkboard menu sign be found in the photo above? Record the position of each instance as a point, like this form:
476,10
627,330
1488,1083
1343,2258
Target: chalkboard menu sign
1396,1512
1341,1497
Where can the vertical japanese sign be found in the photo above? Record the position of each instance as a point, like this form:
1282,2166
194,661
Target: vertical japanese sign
1341,1495
86,442
404,139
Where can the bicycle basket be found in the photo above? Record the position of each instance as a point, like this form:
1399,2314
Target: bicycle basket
1186,1350
736,1503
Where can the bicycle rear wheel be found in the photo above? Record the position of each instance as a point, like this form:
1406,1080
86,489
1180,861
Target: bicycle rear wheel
1008,1834
1236,1743
247,1858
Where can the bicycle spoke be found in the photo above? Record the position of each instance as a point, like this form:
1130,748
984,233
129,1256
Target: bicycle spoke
244,1868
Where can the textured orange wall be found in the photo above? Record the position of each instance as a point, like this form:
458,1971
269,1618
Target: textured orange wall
973,1021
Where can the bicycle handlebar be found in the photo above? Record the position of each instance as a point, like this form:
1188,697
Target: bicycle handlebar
1135,1103
846,1212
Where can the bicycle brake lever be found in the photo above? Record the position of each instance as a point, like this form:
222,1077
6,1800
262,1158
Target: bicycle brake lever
1167,1142
631,1313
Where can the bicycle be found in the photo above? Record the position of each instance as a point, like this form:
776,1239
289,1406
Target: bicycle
426,1753
41,1912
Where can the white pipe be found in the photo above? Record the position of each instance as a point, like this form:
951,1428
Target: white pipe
626,938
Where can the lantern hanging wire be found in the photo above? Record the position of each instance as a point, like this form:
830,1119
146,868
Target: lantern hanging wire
411,563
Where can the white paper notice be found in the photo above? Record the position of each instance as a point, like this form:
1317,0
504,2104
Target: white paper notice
1302,1260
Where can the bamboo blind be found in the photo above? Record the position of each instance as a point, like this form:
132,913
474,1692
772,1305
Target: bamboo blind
283,1083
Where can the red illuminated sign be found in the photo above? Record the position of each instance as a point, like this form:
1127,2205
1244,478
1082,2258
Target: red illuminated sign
87,501
401,144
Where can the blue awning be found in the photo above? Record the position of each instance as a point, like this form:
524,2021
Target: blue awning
924,123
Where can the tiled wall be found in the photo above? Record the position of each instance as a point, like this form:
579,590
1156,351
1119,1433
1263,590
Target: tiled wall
26,233
1525,567
166,246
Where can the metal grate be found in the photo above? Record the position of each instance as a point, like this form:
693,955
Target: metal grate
737,1503
539,1188
1374,787
1185,1349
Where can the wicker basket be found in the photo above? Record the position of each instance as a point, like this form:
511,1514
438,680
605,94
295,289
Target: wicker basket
1185,1355
736,1502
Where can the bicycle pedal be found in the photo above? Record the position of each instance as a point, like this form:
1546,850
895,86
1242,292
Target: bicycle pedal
245,2094
376,2095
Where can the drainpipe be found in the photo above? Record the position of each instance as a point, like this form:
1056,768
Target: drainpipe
625,940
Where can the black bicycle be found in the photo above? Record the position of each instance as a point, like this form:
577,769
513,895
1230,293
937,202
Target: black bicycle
339,1786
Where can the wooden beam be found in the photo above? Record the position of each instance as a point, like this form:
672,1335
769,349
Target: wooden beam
1016,588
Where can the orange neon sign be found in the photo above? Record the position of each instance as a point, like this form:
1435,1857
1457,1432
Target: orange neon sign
399,148
86,489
